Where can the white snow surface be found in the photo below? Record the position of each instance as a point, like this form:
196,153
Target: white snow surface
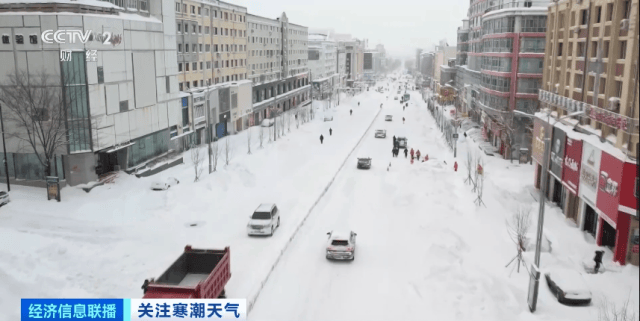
425,250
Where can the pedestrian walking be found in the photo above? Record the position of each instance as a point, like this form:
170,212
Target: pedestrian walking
465,134
418,154
403,120
393,152
405,153
350,112
330,131
394,139
455,166
321,138
358,103
426,157
403,108
412,153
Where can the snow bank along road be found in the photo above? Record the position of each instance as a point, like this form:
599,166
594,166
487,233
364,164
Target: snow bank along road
420,248
105,243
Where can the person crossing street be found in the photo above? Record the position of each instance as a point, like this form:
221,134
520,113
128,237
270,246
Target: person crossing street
330,131
418,154
321,138
405,153
412,154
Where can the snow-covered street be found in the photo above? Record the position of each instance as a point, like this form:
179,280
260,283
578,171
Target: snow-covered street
425,250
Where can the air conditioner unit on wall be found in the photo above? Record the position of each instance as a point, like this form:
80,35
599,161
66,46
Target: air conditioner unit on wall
624,24
614,104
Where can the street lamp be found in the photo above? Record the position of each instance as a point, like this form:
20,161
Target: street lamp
534,281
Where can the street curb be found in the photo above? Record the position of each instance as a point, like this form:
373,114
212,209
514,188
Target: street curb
252,301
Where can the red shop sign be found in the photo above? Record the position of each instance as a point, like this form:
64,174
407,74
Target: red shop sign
609,184
628,200
571,164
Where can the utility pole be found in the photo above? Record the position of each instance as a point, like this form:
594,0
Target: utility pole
4,149
209,133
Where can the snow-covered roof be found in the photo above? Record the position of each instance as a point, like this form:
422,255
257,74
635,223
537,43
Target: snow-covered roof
592,138
94,3
340,235
120,15
265,207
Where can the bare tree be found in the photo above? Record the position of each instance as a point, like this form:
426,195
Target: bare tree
272,128
197,158
608,311
297,119
227,151
289,121
261,136
249,140
215,154
517,228
37,108
480,182
469,162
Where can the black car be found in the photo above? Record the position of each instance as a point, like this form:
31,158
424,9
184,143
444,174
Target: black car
364,163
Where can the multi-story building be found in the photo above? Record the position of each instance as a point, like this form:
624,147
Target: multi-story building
121,105
211,42
443,53
418,59
354,50
590,72
278,66
323,64
342,64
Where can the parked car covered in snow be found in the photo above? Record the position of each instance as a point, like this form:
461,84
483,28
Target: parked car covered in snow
364,163
388,118
381,133
328,117
568,286
265,219
267,122
341,246
4,198
402,142
164,185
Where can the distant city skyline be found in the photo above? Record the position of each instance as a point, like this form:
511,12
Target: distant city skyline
401,27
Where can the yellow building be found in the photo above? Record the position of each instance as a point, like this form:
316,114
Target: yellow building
211,42
592,50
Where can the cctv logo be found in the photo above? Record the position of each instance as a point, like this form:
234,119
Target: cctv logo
72,36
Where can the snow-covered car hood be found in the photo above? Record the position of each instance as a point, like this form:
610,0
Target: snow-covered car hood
571,282
259,222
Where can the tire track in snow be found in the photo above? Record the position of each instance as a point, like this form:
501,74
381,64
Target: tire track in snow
252,301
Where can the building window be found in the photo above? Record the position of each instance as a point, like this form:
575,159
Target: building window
193,29
199,11
201,66
200,29
195,83
194,66
186,66
177,6
180,87
200,47
623,50
528,85
598,13
19,39
193,10
536,45
583,19
75,91
180,67
496,83
207,48
206,30
531,65
5,39
186,48
534,24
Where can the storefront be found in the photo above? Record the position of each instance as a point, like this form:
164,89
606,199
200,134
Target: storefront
557,193
590,166
629,208
615,218
540,128
571,177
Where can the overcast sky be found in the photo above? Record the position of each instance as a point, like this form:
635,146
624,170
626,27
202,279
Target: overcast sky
401,25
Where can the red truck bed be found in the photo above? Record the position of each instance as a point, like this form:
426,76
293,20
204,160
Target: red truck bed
196,274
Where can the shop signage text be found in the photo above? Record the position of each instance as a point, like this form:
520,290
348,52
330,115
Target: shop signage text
608,185
571,163
589,178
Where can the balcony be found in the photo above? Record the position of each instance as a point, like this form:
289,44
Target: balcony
517,4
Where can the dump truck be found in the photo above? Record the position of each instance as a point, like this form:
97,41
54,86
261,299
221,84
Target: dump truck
196,274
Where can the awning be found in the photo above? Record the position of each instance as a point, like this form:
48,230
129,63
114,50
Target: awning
119,147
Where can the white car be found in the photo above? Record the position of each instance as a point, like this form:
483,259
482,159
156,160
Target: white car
4,198
328,118
341,246
388,118
164,185
568,286
265,219
381,133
